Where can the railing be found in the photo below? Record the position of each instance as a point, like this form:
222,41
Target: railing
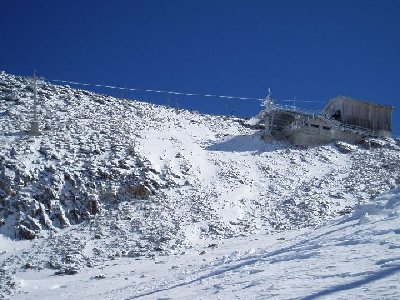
359,129
299,123
296,109
335,123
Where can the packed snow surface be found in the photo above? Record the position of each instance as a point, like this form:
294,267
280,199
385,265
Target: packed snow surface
120,199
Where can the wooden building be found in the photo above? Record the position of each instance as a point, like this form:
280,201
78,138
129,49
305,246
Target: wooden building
342,119
360,113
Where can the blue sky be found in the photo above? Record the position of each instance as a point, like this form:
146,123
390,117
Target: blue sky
311,50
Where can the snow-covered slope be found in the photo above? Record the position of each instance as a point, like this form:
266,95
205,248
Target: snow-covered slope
356,256
121,181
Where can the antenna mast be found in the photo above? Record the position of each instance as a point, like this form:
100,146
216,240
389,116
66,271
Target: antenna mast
35,101
35,123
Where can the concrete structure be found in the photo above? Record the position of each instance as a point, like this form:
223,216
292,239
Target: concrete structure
343,119
320,130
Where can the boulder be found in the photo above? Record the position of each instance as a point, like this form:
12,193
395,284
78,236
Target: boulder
376,143
25,233
138,191
344,147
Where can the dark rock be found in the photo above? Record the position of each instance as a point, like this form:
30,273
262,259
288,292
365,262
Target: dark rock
139,191
67,271
344,148
13,152
376,144
134,253
96,151
123,164
94,205
33,224
347,210
67,176
68,258
25,233
366,144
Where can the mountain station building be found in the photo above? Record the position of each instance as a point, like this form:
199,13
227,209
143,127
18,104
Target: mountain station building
342,119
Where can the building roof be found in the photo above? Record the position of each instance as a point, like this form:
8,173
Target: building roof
346,98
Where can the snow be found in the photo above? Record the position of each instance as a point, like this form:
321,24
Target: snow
227,214
353,256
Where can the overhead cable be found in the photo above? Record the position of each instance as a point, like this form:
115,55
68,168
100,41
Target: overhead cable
173,92
156,91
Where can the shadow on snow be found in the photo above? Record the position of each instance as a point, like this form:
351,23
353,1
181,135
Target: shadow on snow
248,143
355,284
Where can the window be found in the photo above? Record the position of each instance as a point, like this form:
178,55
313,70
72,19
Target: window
326,127
315,125
337,115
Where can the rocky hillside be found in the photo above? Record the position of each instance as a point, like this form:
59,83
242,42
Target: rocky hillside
110,177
